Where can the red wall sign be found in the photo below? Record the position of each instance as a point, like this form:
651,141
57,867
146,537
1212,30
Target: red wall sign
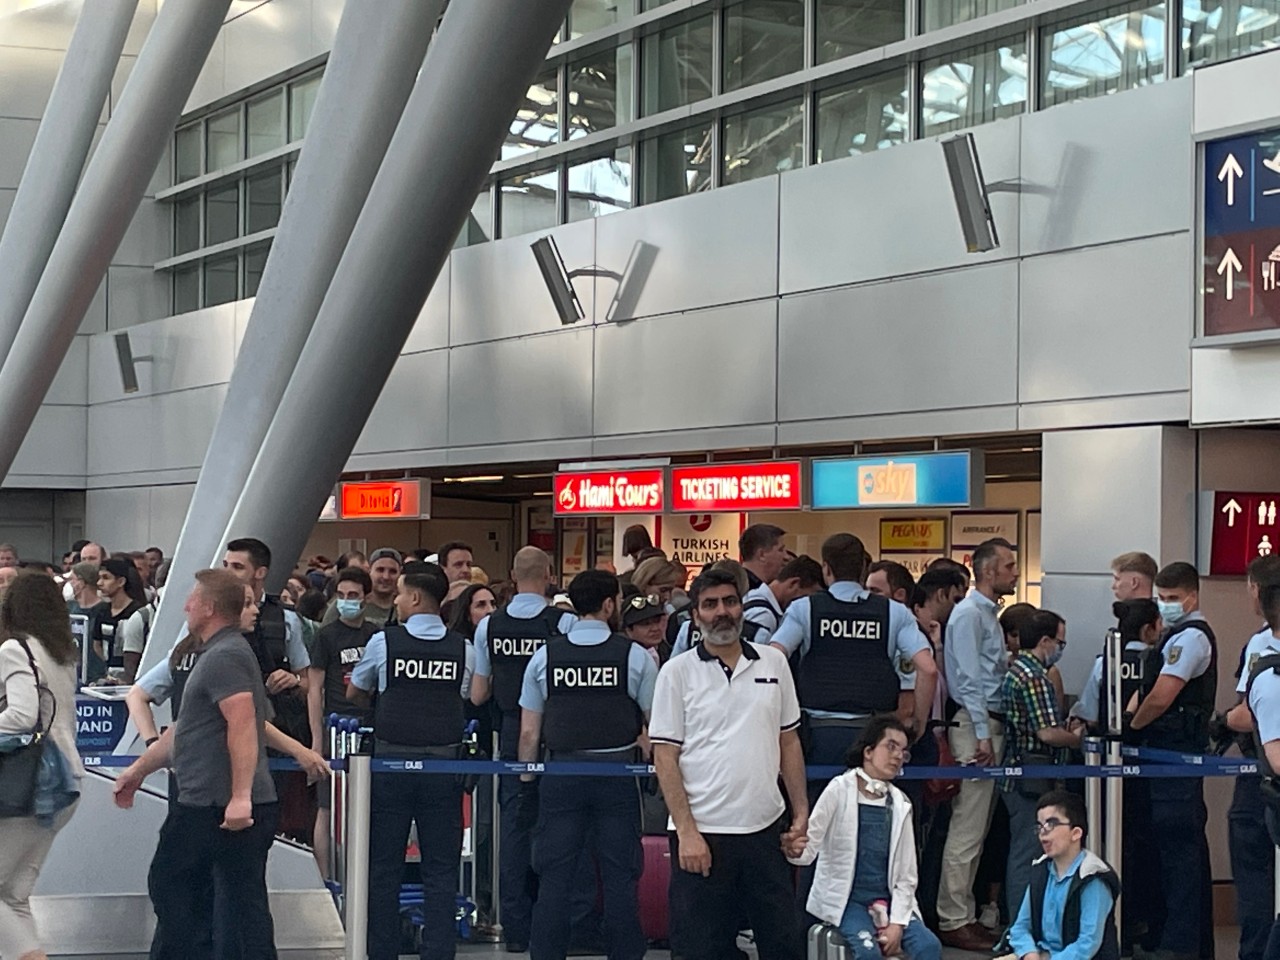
1245,527
616,491
392,500
736,487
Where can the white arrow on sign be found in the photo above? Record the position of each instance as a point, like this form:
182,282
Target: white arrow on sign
1232,510
1230,265
1273,163
1230,170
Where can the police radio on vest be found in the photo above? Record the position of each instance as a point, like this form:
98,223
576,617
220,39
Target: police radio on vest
516,647
584,676
849,629
424,669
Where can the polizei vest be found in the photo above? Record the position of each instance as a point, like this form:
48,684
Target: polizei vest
588,706
422,704
1270,661
512,644
1185,725
847,668
1133,667
269,638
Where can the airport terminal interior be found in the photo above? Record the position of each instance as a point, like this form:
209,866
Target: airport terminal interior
531,330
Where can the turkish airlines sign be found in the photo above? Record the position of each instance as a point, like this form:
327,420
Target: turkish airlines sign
619,491
736,487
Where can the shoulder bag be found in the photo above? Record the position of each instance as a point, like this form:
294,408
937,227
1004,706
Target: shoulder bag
20,768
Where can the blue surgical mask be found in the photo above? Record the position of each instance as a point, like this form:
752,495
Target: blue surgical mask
1170,611
1054,656
350,609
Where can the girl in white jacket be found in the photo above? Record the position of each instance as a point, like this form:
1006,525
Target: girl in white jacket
860,832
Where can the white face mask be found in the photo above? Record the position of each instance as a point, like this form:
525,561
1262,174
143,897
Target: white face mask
877,788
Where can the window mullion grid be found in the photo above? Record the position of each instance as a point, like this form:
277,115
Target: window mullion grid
1034,52
1172,38
915,101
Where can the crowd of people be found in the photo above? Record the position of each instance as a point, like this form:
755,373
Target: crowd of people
729,683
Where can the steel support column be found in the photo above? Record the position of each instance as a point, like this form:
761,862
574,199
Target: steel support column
104,205
376,57
474,77
57,157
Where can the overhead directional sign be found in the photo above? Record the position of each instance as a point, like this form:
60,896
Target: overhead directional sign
1244,527
1241,234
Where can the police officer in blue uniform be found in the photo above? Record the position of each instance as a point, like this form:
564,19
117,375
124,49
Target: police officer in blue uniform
1262,702
420,670
1177,693
505,642
588,695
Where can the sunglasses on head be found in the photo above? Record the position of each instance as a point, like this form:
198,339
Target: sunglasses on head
640,602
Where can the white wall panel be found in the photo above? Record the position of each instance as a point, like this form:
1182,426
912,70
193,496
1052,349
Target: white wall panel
6,204
149,434
148,239
168,510
211,84
647,381
1087,315
26,79
136,295
1227,94
410,413
55,446
119,518
325,16
70,386
1234,385
925,343
191,350
95,318
16,138
431,330
267,40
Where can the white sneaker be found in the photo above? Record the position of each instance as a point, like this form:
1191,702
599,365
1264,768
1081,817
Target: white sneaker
990,916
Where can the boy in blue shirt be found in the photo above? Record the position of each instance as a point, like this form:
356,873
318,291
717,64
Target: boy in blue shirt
1066,913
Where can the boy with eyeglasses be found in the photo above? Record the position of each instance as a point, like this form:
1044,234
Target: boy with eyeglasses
1067,912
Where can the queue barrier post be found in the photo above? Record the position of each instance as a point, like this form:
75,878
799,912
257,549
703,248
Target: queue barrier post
495,855
335,833
356,882
1113,850
1093,795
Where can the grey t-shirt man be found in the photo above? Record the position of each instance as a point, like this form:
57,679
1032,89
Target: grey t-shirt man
201,762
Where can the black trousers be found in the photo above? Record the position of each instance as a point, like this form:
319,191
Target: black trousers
1252,866
193,857
748,871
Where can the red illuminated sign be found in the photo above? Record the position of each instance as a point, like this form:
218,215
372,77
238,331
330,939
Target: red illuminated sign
736,487
1245,527
388,500
615,491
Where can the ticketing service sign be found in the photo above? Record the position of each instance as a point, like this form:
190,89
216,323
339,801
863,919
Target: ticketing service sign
1244,528
602,493
952,478
1241,234
736,487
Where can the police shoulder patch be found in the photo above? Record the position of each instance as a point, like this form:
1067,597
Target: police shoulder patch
906,665
1253,662
1174,655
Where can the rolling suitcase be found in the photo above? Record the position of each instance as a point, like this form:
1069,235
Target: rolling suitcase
827,943
654,883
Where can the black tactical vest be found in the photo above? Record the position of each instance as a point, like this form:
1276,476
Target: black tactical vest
512,643
107,629
180,673
1133,666
588,706
422,704
847,668
1270,661
269,637
1185,725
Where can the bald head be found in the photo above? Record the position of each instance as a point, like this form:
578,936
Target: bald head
531,570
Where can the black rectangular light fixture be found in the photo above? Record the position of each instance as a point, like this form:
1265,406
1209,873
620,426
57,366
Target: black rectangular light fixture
559,282
970,191
124,354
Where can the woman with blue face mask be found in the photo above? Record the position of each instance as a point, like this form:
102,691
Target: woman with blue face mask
1035,735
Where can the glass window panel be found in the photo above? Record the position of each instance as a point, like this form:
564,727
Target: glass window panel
255,261
221,279
586,16
677,66
974,86
302,100
1100,54
187,154
763,39
186,288
479,225
530,201
652,4
861,117
537,121
1214,31
266,124
944,13
600,186
222,140
600,93
186,225
262,196
846,27
763,142
222,214
676,164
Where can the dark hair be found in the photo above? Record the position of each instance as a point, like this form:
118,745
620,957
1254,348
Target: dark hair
1015,619
1269,600
1070,804
636,538
155,550
1179,575
649,552
355,575
188,644
1133,615
1265,570
757,537
1041,624
955,566
986,552
937,578
709,578
78,546
461,619
899,577
442,555
126,571
591,588
37,566
430,579
259,553
347,559
310,605
845,555
805,569
33,606
871,736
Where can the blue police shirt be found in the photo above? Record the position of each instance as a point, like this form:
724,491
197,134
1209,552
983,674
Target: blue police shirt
371,671
642,672
1259,644
523,606
1189,654
976,659
1264,702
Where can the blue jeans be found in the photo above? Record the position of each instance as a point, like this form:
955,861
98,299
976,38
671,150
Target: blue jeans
572,810
918,941
1024,848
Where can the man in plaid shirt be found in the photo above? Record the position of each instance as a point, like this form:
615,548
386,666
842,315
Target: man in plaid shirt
1034,735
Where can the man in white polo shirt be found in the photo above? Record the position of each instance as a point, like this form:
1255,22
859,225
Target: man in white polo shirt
725,723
